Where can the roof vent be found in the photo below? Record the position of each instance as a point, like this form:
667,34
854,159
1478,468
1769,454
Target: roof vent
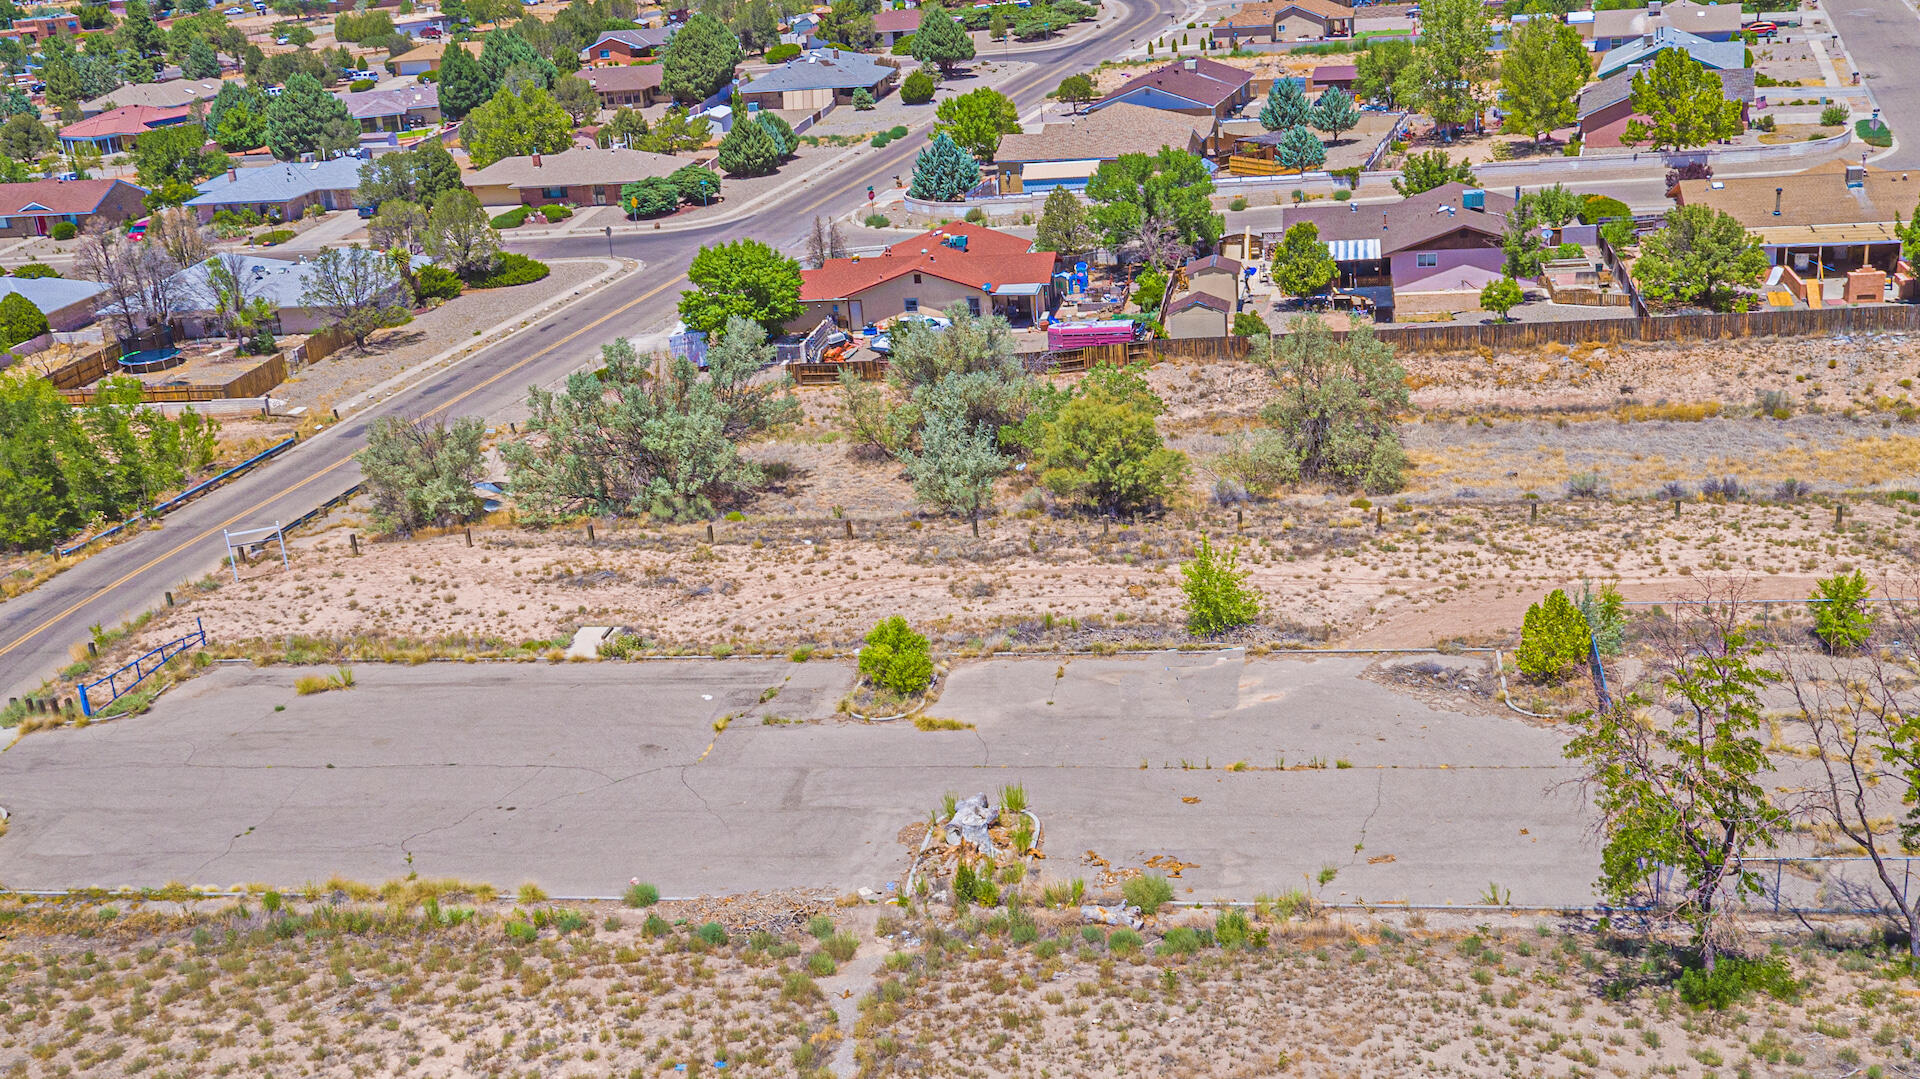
1191,64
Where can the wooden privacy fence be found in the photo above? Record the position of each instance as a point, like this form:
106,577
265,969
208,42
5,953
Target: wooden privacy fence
320,345
822,374
250,383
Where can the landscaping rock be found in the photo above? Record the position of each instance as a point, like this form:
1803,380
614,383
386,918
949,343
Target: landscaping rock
1120,914
971,819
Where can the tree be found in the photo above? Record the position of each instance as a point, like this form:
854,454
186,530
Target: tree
943,171
757,26
1557,206
202,61
515,125
1286,106
1702,257
172,155
297,118
780,132
459,234
1840,616
896,659
237,117
750,405
917,88
1248,324
675,133
1541,73
388,178
575,95
626,128
139,35
1075,90
1553,639
435,171
1218,598
1677,780
1339,401
419,473
617,440
1683,103
62,75
1300,149
1452,58
1334,113
1172,189
940,40
24,138
1102,449
849,23
20,320
700,58
1501,296
1065,228
956,466
399,224
825,242
357,290
1301,265
748,151
464,84
1425,171
976,120
506,51
745,278
143,282
179,235
1522,242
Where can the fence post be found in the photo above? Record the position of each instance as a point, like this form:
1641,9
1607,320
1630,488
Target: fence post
470,535
849,525
709,531
353,541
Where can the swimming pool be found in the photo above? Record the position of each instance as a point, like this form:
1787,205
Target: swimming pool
151,359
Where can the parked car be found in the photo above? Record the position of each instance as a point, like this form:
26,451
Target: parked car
235,11
1764,29
431,33
363,211
281,40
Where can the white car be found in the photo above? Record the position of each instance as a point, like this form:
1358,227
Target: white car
235,11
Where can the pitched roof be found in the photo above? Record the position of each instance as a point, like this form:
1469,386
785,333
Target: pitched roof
1691,17
991,258
1720,55
125,120
821,69
1818,196
55,196
1122,128
1336,73
367,104
432,50
1212,262
51,294
1196,78
1266,12
576,167
162,95
623,79
281,282
279,182
1407,224
1736,85
1199,299
897,20
634,39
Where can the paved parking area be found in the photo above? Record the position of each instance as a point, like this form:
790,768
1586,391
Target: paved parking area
581,776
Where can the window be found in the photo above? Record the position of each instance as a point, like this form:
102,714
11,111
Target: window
604,54
973,306
912,304
561,193
1426,258
916,279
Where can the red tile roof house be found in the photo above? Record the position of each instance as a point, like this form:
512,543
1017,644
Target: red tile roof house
1436,249
1195,86
115,130
32,209
980,269
895,23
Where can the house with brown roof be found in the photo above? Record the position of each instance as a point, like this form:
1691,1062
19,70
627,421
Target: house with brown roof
1435,251
1612,29
582,176
895,23
1197,314
160,95
984,271
32,209
426,57
1066,154
405,109
1216,275
625,46
1285,20
1606,107
116,130
1333,76
635,85
1196,86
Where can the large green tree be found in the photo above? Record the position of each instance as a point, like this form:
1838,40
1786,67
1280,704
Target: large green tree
699,60
943,171
975,120
1286,106
237,117
1683,102
1703,257
1334,112
459,234
940,40
1301,265
748,150
1171,189
515,125
1102,449
745,278
1300,149
1065,228
464,84
1423,172
1541,73
202,62
298,120
1451,63
505,51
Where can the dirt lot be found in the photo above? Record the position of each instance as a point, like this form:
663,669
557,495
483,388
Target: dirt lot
424,985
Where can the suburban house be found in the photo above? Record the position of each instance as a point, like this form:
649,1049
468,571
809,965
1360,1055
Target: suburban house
405,109
425,57
280,192
984,271
817,79
1612,29
33,208
69,303
895,23
1285,20
422,24
283,283
1606,106
1195,86
1066,154
160,95
33,29
582,176
1718,55
635,85
115,130
1197,314
625,46
1829,231
1333,77
1429,253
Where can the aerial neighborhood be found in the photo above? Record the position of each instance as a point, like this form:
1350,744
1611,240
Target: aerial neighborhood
1003,538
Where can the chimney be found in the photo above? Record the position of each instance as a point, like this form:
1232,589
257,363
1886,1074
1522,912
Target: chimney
1646,39
1777,192
233,175
1653,7
536,160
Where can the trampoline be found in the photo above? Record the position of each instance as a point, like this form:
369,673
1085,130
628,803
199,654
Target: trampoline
151,359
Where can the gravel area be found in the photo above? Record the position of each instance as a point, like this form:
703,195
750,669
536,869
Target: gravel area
324,384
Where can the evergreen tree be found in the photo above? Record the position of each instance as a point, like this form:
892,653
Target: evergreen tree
748,150
1301,149
917,88
298,119
464,84
1684,104
943,172
1334,113
1065,228
699,60
61,74
780,132
940,40
435,171
202,62
505,50
1286,106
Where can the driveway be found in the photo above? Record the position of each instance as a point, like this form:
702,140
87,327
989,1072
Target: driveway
1883,36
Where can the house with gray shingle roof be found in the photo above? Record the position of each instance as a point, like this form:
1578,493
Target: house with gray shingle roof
281,191
404,109
1718,55
67,302
817,79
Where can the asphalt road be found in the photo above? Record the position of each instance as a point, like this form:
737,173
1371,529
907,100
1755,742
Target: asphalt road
582,776
1883,37
39,630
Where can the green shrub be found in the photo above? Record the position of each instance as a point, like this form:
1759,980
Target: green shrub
970,886
1605,612
1232,928
270,239
841,946
1553,639
897,131
1833,116
655,926
642,895
977,216
917,88
821,965
713,933
880,140
1179,940
1149,892
782,52
1218,598
862,99
359,85
1863,129
878,221
902,46
1840,616
1342,195
896,658
435,283
555,212
820,926
512,218
1248,324
34,270
1734,979
512,268
65,230
1124,942
1600,207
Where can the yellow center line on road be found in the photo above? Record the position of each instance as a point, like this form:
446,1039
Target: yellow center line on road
449,403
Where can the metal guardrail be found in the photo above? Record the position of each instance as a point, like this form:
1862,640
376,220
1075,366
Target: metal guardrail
180,499
322,509
141,667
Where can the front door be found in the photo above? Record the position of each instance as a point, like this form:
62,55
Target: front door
599,196
858,320
39,226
